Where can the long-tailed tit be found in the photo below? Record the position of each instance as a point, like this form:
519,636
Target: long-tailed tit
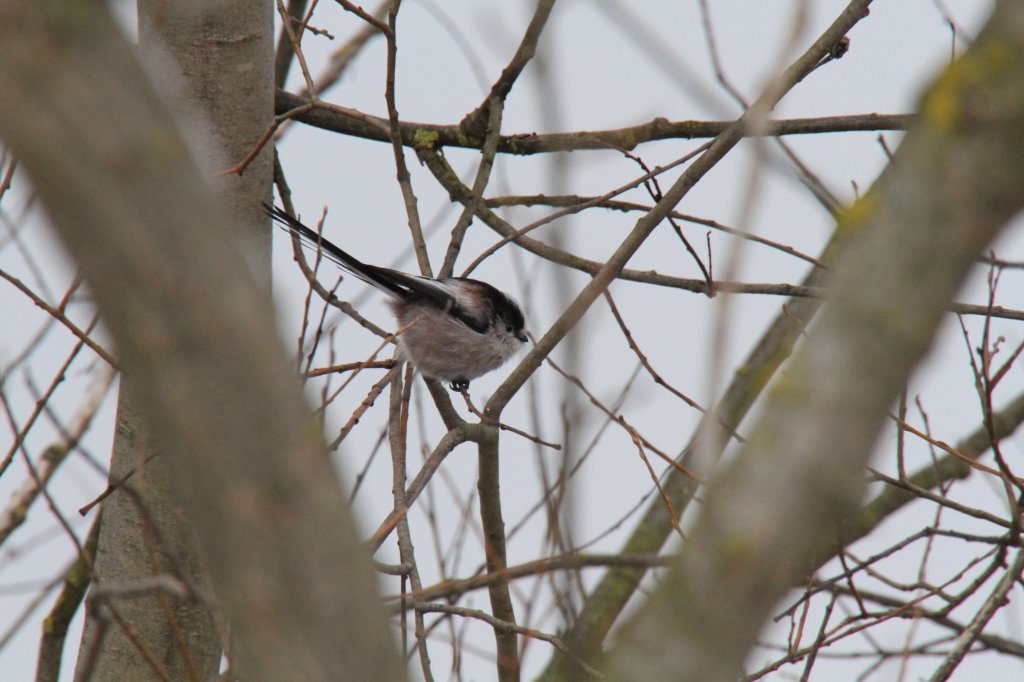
456,328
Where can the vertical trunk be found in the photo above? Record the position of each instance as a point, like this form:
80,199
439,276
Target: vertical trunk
194,332
224,57
144,535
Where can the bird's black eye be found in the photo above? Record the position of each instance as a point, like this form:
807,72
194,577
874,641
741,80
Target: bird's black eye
508,328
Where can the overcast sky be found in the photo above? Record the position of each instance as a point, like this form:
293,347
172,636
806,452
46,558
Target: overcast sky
601,64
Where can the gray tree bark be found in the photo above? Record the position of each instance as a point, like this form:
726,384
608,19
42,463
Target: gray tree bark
195,335
954,182
143,534
224,58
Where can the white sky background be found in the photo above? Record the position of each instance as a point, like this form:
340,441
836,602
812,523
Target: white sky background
609,64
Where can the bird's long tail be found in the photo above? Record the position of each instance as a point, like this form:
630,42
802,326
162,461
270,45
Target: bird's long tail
382,278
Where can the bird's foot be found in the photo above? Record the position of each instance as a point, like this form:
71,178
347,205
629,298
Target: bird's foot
459,385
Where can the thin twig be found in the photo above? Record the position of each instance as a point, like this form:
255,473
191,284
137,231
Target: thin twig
505,427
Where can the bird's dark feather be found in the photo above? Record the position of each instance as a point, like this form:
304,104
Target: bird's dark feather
405,287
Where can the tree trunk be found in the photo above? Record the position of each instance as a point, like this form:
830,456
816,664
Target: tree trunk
179,635
195,335
225,61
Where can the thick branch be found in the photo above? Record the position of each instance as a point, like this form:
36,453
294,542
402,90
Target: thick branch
955,181
357,124
493,525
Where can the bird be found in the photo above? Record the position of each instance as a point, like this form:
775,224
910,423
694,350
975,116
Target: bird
455,329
